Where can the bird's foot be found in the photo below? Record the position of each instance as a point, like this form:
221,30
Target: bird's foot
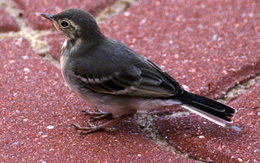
98,115
102,127
91,128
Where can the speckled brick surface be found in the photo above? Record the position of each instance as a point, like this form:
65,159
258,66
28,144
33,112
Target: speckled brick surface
239,142
32,9
7,23
37,110
208,46
55,40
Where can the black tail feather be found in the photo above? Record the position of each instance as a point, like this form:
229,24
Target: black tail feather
210,109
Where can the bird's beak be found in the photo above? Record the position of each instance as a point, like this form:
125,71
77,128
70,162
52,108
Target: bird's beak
48,16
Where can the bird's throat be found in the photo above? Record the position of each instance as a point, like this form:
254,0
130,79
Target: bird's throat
70,46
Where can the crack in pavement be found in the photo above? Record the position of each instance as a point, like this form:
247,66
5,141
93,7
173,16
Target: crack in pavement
240,88
117,8
32,36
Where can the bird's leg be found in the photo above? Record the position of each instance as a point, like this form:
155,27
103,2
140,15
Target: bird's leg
98,114
102,127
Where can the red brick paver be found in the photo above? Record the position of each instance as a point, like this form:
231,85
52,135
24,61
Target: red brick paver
37,110
208,46
32,9
7,23
55,40
203,140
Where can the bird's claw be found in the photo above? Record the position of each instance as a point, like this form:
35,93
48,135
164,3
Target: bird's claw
98,115
87,130
90,124
92,128
101,127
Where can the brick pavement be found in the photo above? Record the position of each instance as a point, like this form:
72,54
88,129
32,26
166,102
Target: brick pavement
7,23
208,46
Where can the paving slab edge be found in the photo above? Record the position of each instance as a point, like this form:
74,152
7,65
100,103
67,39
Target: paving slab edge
240,88
115,9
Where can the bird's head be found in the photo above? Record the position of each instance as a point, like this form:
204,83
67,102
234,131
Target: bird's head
75,24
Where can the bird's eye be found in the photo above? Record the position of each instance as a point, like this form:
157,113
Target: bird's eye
64,23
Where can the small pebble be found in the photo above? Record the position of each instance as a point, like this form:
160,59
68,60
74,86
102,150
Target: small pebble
164,55
236,128
40,132
50,127
126,13
25,57
214,37
176,56
15,143
44,136
26,69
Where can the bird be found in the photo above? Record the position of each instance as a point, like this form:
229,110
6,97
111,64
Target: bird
118,80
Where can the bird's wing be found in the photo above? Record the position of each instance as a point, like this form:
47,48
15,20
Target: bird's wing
143,81
166,76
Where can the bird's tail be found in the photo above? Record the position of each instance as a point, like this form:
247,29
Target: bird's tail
207,108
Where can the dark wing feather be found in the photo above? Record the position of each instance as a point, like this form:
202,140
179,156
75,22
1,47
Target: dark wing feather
167,77
139,82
